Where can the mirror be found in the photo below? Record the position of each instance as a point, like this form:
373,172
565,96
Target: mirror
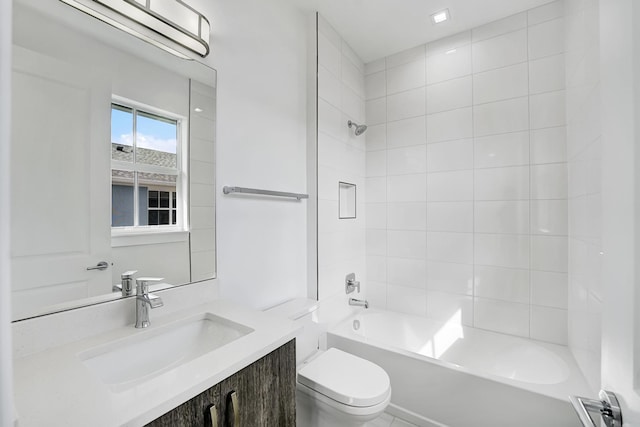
112,164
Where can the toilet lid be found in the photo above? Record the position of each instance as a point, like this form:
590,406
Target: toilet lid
346,378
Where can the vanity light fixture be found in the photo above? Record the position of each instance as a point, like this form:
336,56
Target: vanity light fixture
440,16
148,20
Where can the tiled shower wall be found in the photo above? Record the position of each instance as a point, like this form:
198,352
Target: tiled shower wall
341,158
584,148
466,171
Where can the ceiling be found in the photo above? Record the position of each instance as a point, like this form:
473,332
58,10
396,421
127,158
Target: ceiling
377,28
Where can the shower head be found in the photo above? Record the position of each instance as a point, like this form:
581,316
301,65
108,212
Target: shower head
360,129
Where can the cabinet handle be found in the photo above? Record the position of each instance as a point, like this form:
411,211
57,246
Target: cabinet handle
236,409
214,415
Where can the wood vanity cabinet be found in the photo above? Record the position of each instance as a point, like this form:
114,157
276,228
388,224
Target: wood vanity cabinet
265,393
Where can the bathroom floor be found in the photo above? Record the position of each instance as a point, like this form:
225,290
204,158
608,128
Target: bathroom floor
387,420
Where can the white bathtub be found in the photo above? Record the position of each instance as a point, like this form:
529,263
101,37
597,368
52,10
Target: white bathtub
446,374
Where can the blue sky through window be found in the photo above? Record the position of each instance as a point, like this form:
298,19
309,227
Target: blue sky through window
152,133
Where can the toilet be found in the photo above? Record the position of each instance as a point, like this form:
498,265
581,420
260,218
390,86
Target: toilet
333,387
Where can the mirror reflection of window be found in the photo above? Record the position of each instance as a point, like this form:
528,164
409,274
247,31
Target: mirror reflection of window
145,168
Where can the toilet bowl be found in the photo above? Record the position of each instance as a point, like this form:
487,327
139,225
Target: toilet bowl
335,388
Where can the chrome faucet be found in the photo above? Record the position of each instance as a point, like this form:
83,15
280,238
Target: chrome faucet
359,302
126,283
351,284
144,300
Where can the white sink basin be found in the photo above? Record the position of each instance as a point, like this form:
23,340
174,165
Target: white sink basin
126,362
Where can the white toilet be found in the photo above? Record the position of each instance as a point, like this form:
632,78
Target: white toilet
334,388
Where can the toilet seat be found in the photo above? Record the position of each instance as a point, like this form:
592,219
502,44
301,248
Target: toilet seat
345,379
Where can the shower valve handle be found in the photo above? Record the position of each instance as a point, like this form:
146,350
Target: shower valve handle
351,284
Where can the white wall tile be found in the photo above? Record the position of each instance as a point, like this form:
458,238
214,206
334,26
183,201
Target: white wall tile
376,111
546,12
549,145
501,83
547,74
329,32
510,183
501,117
376,268
376,190
450,125
508,149
450,247
376,242
376,294
510,217
546,39
407,160
501,316
406,56
404,299
353,57
450,277
450,155
352,77
374,66
407,104
406,244
376,215
547,110
450,216
549,324
330,121
549,217
376,137
502,26
508,49
406,76
549,181
501,250
376,163
507,284
407,216
450,308
549,289
353,108
375,85
407,188
449,95
449,186
450,64
329,55
329,87
549,253
407,132
407,272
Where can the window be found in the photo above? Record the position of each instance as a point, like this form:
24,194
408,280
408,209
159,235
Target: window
146,173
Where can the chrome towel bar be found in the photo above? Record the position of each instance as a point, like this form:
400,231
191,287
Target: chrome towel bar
229,190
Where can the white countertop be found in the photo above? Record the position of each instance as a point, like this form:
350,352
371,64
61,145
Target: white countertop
54,387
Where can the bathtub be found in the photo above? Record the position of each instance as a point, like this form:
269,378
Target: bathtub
443,374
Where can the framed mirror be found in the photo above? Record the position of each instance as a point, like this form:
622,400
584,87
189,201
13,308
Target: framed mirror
112,164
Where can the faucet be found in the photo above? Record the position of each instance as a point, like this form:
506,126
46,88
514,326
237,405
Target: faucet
359,302
144,298
126,283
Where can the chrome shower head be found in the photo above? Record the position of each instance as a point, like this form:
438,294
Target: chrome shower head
360,129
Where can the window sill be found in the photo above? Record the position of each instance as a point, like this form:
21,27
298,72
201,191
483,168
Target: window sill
137,238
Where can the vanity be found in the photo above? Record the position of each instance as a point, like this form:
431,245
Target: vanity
167,375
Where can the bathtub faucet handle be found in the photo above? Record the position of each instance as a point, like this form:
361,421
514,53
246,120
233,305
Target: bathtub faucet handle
351,284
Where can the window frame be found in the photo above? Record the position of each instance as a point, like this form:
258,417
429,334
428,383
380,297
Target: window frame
124,235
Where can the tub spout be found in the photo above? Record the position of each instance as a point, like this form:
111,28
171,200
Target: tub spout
359,302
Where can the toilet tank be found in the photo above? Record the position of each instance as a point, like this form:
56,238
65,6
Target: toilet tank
302,312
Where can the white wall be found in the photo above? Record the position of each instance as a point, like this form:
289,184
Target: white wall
259,50
584,150
466,178
6,355
341,158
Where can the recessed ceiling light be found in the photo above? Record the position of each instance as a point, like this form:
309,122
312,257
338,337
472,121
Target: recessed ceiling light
441,16
198,110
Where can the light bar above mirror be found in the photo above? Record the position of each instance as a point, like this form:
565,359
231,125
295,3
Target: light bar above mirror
148,20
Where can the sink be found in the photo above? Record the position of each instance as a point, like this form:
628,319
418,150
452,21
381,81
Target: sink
124,363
